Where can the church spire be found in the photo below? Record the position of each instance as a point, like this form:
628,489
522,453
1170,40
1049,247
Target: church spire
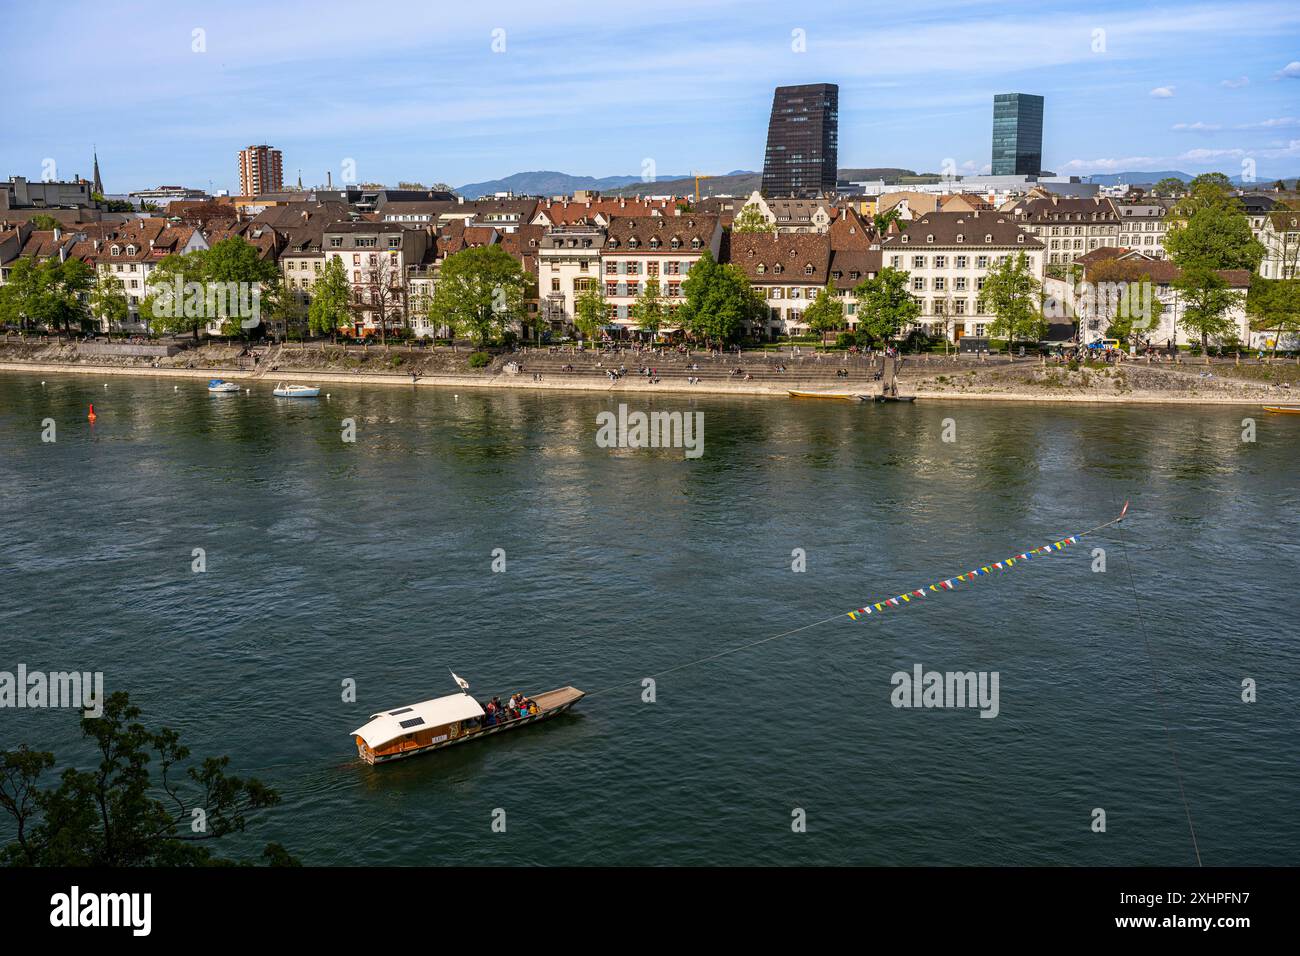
99,185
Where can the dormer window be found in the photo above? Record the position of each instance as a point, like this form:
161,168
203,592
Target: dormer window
633,242
903,238
1020,238
695,243
988,237
761,268
960,238
613,243
654,242
777,269
929,237
675,242
130,250
116,251
808,269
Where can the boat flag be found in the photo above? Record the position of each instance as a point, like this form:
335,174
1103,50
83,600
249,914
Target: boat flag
460,681
947,584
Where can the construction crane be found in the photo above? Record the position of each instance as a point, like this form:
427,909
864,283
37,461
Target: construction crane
698,177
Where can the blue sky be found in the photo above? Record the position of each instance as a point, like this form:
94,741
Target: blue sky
416,91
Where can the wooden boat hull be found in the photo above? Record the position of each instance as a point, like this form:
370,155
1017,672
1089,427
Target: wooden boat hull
1283,409
893,398
832,396
563,699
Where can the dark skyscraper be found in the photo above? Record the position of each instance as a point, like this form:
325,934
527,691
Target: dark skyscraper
1017,134
802,141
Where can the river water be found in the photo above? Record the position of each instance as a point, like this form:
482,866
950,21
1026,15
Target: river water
330,561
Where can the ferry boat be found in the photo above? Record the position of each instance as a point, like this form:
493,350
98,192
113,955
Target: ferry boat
296,391
1283,409
220,387
444,721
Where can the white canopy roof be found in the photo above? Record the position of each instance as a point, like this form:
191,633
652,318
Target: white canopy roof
391,724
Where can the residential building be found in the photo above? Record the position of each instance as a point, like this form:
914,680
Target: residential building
1017,134
261,170
376,257
1143,223
19,193
1163,274
1068,227
948,256
1280,236
787,271
802,141
794,215
131,251
568,261
640,248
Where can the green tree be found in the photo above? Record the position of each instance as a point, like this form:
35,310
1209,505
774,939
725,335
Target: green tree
112,205
718,302
1169,187
480,289
884,306
49,294
330,295
45,222
286,307
882,220
108,301
1206,301
119,813
1012,296
160,308
750,219
1134,309
1208,227
649,309
1274,307
826,312
589,310
1217,180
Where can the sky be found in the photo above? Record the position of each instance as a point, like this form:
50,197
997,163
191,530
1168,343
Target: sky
168,93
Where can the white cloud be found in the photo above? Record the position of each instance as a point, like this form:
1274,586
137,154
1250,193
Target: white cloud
1163,92
1280,122
1197,127
1291,70
1238,83
1109,165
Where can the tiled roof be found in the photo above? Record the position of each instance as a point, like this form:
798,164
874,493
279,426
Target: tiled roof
961,229
693,232
782,259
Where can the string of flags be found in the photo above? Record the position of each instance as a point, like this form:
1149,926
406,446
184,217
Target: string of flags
950,584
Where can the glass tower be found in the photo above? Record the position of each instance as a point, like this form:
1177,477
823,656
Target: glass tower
802,141
1017,134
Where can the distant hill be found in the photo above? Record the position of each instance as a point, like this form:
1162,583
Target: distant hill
1150,179
544,183
742,182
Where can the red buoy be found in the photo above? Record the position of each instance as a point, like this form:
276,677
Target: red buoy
91,416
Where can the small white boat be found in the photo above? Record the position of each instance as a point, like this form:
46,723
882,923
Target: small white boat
221,387
296,391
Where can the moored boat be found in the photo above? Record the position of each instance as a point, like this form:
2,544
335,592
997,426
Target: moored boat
837,396
219,386
1283,409
296,391
444,721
